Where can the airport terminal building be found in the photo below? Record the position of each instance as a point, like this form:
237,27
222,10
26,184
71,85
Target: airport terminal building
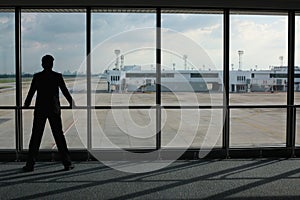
134,79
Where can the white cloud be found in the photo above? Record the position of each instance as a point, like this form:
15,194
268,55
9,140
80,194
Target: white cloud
211,44
200,32
262,43
263,38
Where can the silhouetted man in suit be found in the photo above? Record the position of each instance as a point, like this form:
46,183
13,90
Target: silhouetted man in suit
47,106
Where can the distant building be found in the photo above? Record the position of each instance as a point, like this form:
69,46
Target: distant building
134,79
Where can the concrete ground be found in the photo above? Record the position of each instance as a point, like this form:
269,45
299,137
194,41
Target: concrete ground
199,179
136,128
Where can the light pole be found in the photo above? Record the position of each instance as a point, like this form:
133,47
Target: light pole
281,60
240,52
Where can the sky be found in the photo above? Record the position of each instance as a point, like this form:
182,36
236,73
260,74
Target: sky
262,38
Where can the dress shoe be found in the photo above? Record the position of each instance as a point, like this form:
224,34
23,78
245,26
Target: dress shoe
69,167
28,168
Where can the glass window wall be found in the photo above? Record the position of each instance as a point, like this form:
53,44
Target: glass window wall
297,61
123,128
258,58
7,58
258,127
192,128
123,73
7,127
192,58
74,125
62,35
123,58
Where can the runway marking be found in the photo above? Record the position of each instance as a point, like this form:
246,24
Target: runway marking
65,132
3,120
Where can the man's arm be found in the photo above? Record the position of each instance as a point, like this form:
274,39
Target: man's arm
65,91
30,92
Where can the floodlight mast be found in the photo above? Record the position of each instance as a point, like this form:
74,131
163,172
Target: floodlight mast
185,61
117,52
281,60
240,52
122,62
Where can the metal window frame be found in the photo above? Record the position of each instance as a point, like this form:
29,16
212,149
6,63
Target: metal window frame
225,151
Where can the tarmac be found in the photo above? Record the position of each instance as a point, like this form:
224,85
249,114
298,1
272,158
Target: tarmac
136,128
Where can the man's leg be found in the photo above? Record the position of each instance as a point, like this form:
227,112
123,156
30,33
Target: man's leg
56,127
38,127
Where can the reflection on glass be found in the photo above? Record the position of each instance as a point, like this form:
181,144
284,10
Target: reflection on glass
258,60
192,59
260,127
63,36
7,59
116,129
74,127
7,127
123,58
191,128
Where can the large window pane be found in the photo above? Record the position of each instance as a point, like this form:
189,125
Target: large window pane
116,129
258,58
62,35
7,58
297,60
260,127
192,58
297,127
123,58
7,127
297,76
74,127
191,128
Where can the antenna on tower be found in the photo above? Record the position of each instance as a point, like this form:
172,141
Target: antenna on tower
240,52
185,61
117,52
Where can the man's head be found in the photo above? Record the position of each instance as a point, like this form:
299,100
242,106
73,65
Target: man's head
47,61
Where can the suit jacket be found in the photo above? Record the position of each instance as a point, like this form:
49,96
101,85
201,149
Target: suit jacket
47,84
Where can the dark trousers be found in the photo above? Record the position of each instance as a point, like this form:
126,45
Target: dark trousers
39,122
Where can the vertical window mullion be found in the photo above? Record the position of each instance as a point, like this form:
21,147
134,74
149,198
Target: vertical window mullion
158,78
226,81
18,121
290,129
88,74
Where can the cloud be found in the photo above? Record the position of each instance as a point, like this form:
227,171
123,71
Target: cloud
208,37
186,22
262,38
64,35
60,34
6,27
205,30
106,25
